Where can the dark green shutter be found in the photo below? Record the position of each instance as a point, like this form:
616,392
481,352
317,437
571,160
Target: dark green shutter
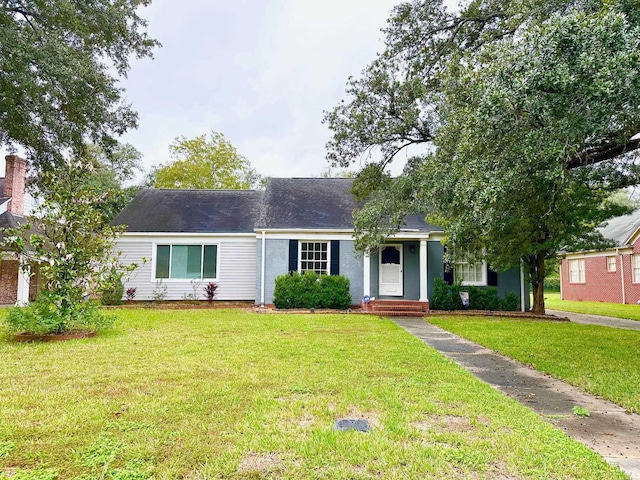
293,256
335,257
492,277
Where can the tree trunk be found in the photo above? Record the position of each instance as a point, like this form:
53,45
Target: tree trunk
536,275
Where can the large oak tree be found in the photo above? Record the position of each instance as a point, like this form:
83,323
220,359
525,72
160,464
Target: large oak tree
531,111
59,64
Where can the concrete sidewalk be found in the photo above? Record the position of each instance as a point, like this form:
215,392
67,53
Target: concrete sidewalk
609,431
597,319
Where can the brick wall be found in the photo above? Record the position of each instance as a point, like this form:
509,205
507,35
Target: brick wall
8,282
601,285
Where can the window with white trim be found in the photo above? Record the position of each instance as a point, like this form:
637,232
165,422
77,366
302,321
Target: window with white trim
611,263
186,262
314,257
576,271
470,271
635,264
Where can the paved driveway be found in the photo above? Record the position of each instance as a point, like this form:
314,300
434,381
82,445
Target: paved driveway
597,320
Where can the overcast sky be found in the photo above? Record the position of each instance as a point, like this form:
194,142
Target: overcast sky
259,71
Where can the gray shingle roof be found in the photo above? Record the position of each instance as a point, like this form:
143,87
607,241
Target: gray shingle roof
191,211
287,203
317,204
620,229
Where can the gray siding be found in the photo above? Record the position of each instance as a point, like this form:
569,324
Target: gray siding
435,263
352,267
411,271
236,270
277,263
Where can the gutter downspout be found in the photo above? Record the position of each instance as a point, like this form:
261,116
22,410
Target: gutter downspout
624,292
522,301
262,268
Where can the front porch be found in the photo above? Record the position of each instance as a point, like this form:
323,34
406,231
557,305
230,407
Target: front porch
400,272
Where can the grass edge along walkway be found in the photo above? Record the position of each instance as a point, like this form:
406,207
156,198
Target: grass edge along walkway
617,310
226,393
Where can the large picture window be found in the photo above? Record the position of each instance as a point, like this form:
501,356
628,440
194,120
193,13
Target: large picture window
314,257
576,271
187,262
468,271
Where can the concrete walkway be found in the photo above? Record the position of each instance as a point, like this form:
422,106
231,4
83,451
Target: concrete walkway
597,319
609,431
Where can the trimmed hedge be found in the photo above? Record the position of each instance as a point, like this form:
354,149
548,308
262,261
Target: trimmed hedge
310,290
447,297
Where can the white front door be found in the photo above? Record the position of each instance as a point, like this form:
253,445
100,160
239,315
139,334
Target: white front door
390,281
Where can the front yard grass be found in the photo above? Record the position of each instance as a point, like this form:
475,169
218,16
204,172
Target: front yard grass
228,394
553,302
599,360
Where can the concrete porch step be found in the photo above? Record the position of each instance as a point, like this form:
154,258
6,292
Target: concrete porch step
405,308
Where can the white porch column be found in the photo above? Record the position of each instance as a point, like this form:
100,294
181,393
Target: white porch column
23,288
367,275
424,296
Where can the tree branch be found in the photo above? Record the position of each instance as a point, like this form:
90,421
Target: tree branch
607,151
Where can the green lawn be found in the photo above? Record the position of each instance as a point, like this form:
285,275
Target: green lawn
600,360
227,394
553,302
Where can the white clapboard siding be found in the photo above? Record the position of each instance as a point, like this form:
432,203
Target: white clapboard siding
236,269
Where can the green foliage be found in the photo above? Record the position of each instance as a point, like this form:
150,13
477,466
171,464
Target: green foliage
68,237
531,109
447,297
581,411
50,314
58,60
205,163
310,290
552,284
111,287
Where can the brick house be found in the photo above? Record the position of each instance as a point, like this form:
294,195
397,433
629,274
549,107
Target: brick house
14,204
611,275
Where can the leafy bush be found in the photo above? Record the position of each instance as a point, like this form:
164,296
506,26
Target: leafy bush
47,316
310,290
447,297
552,284
131,293
210,291
111,288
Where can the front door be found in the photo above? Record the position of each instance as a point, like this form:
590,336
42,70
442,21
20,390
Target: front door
390,281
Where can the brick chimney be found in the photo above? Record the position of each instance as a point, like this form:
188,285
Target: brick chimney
14,183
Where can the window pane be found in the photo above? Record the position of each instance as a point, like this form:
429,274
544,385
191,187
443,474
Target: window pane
163,252
210,261
186,261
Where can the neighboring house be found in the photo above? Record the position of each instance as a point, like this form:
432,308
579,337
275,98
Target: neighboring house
243,240
611,275
15,203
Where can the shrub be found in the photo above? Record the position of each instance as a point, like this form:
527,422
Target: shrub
444,297
111,287
310,290
131,293
334,292
447,297
46,316
210,291
552,284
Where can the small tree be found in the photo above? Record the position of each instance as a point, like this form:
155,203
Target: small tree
70,240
